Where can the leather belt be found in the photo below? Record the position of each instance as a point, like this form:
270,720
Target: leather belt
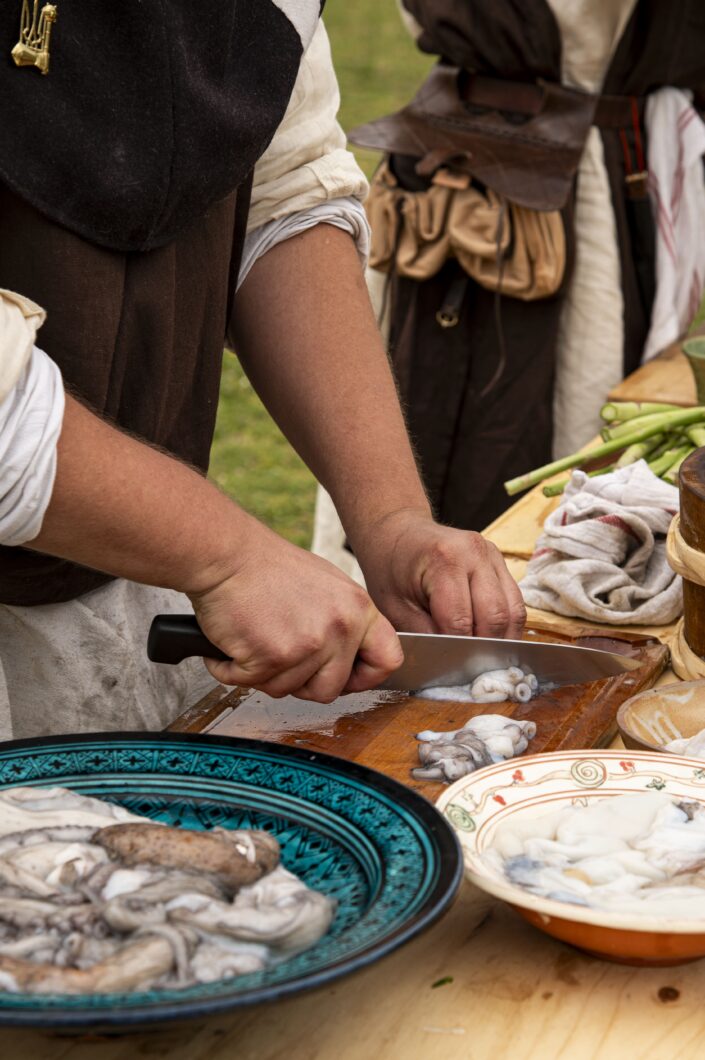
523,97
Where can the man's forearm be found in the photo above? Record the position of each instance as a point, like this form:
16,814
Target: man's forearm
125,508
307,337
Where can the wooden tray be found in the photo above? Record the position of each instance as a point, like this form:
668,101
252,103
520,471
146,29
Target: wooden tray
377,728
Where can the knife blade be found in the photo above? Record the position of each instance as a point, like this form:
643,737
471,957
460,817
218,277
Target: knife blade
441,660
429,658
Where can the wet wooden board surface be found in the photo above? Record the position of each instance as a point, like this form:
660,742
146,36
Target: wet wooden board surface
377,729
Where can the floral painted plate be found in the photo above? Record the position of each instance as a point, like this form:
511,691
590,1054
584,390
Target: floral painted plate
382,851
534,785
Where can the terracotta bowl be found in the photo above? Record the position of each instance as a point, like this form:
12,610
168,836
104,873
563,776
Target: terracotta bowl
538,784
653,718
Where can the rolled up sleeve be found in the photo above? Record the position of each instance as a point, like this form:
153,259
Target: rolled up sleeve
31,415
20,319
307,162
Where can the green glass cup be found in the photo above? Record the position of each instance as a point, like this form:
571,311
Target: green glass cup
694,349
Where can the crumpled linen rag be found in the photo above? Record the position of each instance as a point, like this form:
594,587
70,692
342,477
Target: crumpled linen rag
602,555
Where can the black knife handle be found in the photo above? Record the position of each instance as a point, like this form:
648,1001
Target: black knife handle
173,638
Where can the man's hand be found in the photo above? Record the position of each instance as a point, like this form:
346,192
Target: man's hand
428,578
295,625
292,622
316,358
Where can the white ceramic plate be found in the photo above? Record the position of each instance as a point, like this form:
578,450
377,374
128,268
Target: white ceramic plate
537,784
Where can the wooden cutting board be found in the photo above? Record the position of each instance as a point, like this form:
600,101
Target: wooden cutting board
377,728
665,378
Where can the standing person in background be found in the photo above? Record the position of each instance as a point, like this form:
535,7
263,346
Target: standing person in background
134,239
515,249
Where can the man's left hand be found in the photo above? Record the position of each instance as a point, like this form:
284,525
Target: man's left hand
428,578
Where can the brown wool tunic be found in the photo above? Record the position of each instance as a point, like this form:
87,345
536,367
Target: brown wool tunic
138,336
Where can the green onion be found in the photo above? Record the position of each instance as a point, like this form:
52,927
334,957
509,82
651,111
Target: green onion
554,489
639,450
666,461
657,420
696,434
672,474
619,411
660,449
681,418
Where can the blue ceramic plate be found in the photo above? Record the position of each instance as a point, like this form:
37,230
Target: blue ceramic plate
382,851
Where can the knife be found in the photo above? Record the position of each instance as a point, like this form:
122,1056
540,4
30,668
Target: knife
429,658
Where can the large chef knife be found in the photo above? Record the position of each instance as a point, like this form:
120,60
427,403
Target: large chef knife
429,658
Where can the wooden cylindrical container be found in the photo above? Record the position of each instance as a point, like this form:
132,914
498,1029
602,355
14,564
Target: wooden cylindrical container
692,527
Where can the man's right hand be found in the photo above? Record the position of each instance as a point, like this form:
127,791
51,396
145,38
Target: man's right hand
294,624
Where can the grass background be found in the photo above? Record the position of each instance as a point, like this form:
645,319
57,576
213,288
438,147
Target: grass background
378,69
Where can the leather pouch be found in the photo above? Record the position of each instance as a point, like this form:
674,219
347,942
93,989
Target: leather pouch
501,245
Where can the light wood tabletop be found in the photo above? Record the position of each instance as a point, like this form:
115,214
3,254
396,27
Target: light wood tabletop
665,378
480,984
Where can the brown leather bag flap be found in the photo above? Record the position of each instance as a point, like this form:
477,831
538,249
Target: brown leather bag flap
531,162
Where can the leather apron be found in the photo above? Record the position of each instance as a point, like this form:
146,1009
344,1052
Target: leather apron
137,335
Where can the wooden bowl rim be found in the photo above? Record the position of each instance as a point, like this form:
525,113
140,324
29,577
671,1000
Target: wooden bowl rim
625,709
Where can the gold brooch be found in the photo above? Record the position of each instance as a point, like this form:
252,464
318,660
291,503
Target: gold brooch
32,49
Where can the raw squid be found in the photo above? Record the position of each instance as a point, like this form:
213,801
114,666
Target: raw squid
94,899
494,686
629,853
483,740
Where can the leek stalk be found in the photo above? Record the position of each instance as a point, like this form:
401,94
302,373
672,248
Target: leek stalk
667,420
554,489
619,411
672,475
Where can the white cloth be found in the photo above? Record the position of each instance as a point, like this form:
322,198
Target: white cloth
590,32
589,351
591,330
676,144
81,666
302,15
602,553
347,214
329,537
30,424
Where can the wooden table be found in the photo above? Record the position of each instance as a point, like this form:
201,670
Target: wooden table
665,378
507,990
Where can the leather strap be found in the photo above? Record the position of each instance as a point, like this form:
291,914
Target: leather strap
523,97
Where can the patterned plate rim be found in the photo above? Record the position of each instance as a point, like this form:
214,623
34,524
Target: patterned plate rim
438,831
639,923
